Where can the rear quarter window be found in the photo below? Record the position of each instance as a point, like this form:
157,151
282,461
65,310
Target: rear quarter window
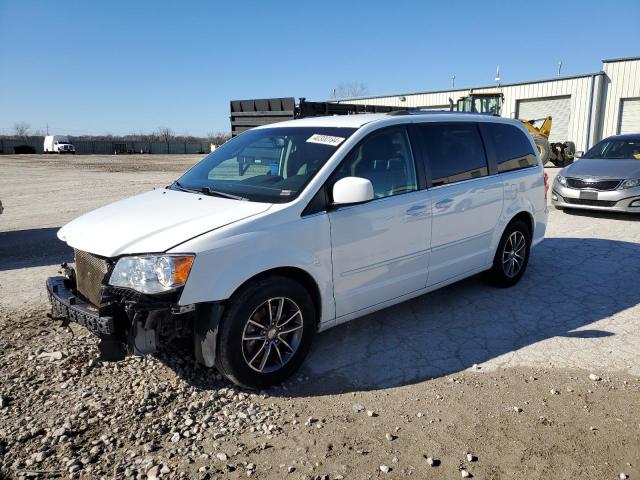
512,147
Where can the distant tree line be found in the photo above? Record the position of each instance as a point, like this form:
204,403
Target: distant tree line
22,130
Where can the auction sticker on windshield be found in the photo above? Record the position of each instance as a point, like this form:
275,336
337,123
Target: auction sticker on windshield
325,140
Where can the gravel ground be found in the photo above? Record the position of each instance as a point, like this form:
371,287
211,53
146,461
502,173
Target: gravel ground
538,381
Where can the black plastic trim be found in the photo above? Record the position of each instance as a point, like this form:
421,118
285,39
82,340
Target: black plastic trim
66,304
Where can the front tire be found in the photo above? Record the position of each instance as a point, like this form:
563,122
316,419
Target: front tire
512,256
266,332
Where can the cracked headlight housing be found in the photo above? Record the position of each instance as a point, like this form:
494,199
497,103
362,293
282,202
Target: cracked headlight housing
152,273
561,180
631,183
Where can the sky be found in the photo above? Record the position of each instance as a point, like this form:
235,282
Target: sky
122,67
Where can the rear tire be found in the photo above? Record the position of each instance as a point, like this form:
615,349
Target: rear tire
266,332
542,144
570,149
512,255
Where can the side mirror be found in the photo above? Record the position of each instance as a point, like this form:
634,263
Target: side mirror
578,154
350,190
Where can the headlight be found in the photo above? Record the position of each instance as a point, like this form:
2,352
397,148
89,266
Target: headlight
561,180
631,183
152,274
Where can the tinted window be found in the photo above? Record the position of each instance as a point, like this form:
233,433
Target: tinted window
512,147
454,151
385,159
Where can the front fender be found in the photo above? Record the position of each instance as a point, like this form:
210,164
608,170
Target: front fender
225,261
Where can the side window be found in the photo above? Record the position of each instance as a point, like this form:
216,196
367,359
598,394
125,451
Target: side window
385,159
454,151
512,147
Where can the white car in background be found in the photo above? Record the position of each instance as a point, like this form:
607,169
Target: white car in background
298,226
58,144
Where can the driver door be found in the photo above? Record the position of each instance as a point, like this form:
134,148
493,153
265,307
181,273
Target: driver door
380,248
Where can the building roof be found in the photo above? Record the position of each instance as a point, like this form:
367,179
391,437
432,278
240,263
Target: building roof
553,79
621,59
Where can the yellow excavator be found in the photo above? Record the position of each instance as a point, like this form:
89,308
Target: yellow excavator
560,154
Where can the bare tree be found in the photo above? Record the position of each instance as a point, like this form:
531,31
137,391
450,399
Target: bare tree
218,138
165,134
22,129
350,90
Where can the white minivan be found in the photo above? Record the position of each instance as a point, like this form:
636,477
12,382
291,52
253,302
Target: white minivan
58,144
294,227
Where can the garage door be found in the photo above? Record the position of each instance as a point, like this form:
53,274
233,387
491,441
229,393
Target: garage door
558,107
629,116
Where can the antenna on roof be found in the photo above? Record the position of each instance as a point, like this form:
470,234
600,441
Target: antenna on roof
498,75
453,81
559,67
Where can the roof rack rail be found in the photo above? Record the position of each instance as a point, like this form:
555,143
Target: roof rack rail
431,112
417,111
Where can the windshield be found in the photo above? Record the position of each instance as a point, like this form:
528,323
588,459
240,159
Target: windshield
620,148
265,165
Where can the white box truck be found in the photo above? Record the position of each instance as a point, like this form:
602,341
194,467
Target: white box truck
58,144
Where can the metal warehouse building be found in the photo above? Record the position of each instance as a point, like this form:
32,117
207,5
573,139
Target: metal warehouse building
585,108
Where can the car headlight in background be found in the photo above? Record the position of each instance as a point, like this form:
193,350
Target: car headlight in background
561,180
152,273
631,183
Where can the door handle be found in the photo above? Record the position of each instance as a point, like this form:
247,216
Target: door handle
446,203
416,210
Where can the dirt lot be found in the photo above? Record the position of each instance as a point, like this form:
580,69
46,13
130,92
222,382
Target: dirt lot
538,381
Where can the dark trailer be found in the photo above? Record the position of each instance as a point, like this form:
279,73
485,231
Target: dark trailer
247,114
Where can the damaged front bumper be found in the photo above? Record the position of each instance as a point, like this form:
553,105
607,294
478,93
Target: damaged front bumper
130,323
66,305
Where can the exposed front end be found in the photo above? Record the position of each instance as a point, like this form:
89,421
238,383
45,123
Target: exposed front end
129,321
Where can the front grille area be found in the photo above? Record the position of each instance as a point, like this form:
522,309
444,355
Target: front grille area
593,184
91,271
591,203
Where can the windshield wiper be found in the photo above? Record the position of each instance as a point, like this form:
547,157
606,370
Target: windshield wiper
216,193
186,189
208,191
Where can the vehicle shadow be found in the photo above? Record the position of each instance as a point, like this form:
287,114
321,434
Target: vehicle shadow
571,283
35,247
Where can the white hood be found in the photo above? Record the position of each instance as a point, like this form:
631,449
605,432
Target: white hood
153,222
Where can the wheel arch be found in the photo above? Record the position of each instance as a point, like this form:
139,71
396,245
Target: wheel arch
297,274
526,217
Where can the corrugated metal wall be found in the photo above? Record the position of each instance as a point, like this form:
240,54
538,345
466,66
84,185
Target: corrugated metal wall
577,88
623,82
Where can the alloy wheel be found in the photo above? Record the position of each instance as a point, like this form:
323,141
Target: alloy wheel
513,254
272,334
